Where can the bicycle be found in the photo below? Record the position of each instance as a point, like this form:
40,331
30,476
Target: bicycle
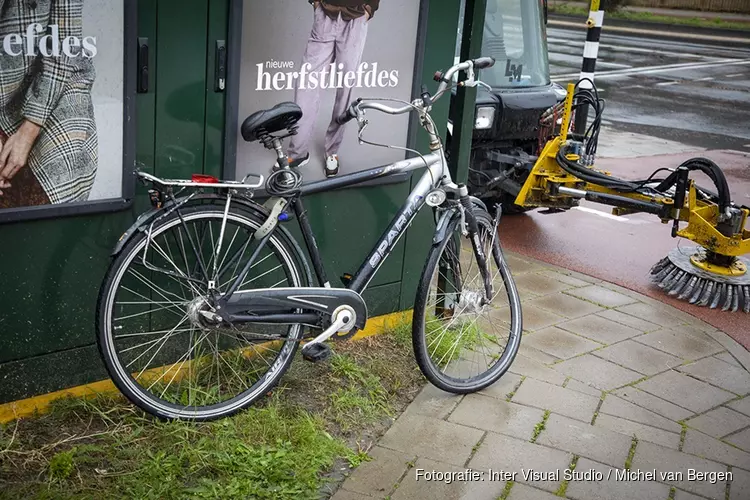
209,296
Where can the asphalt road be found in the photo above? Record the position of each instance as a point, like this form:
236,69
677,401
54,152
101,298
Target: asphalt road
683,99
695,93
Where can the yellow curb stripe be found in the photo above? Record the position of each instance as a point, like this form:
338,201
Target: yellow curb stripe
27,407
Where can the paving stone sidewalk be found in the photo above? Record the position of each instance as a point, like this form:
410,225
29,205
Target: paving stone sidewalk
606,381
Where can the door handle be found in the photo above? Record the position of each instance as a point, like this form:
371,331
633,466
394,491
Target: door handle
143,66
220,71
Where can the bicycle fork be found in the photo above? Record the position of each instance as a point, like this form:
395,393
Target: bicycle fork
473,229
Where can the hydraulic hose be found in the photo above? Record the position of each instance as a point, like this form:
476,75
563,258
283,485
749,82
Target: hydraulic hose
708,167
712,170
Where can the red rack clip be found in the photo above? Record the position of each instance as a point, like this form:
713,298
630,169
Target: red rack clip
205,179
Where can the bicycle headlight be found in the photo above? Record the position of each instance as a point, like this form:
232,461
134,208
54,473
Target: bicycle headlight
485,117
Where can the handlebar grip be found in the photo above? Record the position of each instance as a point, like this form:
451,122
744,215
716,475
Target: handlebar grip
348,115
484,62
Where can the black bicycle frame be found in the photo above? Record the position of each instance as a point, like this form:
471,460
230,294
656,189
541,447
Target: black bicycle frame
432,177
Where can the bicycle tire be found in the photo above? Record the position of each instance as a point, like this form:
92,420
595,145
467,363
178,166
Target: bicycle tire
296,267
431,369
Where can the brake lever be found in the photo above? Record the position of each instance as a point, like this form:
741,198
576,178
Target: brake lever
362,126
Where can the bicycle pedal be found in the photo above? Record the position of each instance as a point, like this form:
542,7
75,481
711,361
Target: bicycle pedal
316,352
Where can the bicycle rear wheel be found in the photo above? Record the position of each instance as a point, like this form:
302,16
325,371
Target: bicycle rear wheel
462,344
151,332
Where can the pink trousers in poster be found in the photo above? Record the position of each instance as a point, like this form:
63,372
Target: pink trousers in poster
331,41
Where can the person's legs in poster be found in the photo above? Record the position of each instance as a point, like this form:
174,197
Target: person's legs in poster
318,54
350,44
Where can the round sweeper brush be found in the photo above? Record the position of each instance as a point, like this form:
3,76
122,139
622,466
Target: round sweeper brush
705,279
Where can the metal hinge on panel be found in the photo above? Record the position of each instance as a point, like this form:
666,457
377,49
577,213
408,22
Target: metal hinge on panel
220,83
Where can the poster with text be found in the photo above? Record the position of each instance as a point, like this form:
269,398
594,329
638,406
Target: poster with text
324,55
61,101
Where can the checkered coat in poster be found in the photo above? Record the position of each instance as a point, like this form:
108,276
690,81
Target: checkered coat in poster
54,92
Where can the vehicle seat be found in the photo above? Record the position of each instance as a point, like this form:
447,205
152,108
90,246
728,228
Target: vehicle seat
282,116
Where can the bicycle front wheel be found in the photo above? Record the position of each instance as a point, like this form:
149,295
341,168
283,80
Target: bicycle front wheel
160,352
462,342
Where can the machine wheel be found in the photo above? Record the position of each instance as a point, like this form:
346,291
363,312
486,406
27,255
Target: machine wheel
509,206
507,202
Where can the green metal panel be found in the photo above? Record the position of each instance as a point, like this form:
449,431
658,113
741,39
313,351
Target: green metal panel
440,47
464,107
82,365
348,224
218,17
181,94
52,272
146,103
51,372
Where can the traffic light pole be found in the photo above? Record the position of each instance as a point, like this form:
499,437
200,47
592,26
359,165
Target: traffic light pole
590,53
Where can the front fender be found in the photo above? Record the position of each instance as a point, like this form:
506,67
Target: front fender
146,218
443,224
476,201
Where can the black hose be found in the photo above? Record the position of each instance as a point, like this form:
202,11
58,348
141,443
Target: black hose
592,176
712,170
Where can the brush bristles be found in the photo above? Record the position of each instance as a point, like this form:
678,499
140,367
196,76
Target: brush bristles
699,290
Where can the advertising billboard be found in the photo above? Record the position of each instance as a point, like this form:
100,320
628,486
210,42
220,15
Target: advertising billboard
323,55
62,88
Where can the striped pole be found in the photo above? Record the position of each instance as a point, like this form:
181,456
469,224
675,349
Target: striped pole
590,53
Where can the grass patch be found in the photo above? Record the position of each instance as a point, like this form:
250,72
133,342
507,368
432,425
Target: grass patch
506,491
540,426
683,434
564,485
297,443
631,453
447,338
627,15
512,393
598,407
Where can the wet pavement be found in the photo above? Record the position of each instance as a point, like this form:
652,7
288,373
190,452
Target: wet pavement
605,380
696,94
679,99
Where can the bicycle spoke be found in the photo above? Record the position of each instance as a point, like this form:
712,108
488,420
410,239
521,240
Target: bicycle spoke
150,311
260,276
176,372
251,268
221,264
163,339
145,334
161,251
230,367
156,302
153,287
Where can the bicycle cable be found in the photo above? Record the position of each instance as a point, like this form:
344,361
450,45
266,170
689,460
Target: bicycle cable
282,187
401,148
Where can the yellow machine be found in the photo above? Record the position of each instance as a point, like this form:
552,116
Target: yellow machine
714,274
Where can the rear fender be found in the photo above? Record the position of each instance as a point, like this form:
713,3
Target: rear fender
144,220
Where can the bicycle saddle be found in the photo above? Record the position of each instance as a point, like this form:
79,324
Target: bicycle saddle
282,116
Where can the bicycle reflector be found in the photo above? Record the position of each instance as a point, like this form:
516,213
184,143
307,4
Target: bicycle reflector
205,179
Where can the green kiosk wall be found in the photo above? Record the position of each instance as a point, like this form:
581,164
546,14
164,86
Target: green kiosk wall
52,261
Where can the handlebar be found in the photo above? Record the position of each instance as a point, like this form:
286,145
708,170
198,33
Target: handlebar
484,62
354,109
350,113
